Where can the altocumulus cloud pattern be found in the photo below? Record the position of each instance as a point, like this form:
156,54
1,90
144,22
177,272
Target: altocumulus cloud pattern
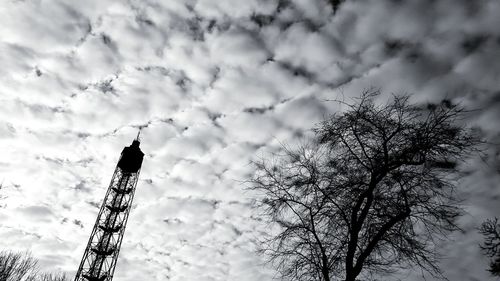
214,84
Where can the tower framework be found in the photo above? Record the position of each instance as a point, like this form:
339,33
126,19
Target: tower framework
101,254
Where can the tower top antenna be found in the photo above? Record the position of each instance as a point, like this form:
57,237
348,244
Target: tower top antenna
138,138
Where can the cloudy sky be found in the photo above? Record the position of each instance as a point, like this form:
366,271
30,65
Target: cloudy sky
214,84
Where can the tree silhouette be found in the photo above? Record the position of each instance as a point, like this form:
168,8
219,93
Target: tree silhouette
23,267
52,277
370,193
17,266
490,229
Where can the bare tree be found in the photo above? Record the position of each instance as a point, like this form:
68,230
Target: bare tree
16,266
370,194
490,229
23,267
52,277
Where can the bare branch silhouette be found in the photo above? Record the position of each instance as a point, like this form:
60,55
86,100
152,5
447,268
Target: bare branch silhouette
490,229
371,193
23,267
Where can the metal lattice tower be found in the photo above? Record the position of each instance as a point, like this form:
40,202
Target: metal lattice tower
99,260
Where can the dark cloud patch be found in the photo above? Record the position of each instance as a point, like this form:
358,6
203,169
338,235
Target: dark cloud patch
143,20
283,5
41,110
81,87
82,187
215,75
184,83
236,230
393,47
299,71
336,4
284,16
38,72
214,116
87,32
82,135
94,204
78,223
218,25
173,221
155,68
41,213
472,43
262,20
166,120
58,161
106,39
65,161
194,26
258,110
211,25
106,86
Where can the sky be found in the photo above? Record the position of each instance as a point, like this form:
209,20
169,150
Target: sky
215,84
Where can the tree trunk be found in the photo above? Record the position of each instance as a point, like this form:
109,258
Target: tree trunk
325,269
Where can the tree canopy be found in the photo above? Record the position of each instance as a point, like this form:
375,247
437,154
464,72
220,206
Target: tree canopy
370,193
23,267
